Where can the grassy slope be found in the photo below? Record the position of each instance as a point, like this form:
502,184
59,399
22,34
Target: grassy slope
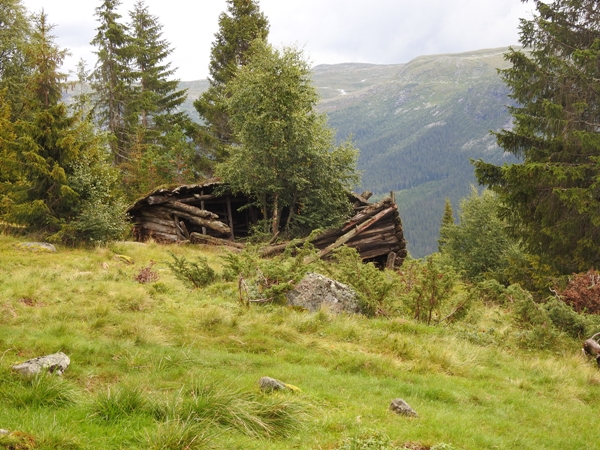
162,341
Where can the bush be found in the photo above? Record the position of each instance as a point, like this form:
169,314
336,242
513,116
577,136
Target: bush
267,279
565,319
376,289
427,288
196,274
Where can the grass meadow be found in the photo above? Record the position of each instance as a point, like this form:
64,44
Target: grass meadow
158,365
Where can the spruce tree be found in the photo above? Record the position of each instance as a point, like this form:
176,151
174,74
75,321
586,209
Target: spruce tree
47,145
156,94
15,29
447,222
239,26
111,77
552,199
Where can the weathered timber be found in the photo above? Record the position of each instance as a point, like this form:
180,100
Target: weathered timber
199,238
368,213
186,233
157,199
161,228
215,225
379,251
157,220
230,217
346,237
270,250
391,260
196,199
202,213
157,235
156,211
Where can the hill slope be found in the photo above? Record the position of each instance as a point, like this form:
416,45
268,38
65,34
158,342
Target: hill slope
155,365
417,125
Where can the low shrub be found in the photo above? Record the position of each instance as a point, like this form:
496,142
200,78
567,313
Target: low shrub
196,274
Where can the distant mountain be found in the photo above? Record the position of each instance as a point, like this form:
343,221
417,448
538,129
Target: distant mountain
417,125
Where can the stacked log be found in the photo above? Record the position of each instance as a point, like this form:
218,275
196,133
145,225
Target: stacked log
375,231
171,218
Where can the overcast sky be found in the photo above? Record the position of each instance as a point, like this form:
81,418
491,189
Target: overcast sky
330,31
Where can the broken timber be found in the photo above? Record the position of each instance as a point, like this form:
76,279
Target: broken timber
207,214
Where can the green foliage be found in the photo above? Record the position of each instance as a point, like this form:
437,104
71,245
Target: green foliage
266,279
179,434
368,441
111,75
550,200
377,289
196,274
196,357
429,286
479,246
15,30
239,26
39,391
286,156
447,223
57,179
245,412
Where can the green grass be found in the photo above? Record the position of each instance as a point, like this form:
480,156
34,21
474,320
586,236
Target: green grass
160,366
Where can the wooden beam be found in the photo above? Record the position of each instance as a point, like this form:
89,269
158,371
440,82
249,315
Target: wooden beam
346,237
230,217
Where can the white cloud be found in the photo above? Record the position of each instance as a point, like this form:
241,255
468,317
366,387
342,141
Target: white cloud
331,31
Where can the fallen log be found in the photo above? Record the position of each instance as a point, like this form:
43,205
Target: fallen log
198,238
591,347
178,206
215,225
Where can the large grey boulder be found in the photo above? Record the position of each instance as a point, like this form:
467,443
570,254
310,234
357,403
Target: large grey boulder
315,291
55,363
402,408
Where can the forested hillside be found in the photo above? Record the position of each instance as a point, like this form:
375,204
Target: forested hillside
417,126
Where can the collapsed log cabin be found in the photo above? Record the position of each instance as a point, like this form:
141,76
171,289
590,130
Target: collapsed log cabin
206,213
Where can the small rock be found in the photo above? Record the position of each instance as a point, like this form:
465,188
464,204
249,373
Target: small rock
399,406
43,247
3,431
123,258
271,384
55,363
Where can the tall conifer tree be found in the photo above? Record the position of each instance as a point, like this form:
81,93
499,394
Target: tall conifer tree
156,96
46,145
552,199
239,26
112,77
15,30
